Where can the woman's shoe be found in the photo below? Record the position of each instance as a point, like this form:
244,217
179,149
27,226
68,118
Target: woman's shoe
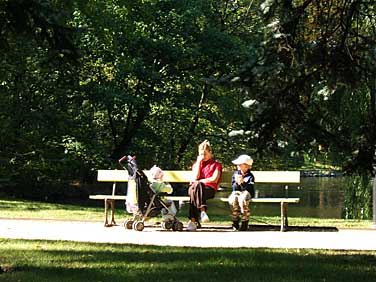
191,226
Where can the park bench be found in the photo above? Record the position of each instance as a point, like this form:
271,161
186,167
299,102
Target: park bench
183,176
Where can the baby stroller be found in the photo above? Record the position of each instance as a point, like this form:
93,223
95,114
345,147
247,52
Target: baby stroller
143,202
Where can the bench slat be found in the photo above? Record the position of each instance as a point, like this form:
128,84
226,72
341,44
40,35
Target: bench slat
270,200
185,176
178,176
186,198
112,175
110,197
276,176
182,176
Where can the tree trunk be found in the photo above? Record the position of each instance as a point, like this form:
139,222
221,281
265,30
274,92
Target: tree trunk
124,146
188,137
373,125
374,202
112,126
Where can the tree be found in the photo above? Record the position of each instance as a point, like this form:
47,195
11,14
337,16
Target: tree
313,84
38,58
147,63
313,79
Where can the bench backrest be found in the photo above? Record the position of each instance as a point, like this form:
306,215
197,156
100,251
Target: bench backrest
185,176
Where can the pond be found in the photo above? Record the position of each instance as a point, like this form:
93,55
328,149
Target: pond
320,197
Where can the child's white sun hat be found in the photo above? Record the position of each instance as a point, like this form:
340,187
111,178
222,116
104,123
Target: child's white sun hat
243,159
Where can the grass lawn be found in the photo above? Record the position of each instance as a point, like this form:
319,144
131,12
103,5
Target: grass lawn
52,261
11,208
42,210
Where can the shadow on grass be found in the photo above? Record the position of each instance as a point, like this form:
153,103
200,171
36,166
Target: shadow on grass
64,261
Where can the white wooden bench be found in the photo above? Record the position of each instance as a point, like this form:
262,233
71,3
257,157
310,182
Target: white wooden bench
182,176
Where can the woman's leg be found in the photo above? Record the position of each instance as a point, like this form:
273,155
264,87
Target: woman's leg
198,194
195,196
209,193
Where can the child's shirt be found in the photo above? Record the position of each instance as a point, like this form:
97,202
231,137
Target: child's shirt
247,185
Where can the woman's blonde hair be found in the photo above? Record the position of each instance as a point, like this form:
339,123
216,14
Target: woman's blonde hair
205,146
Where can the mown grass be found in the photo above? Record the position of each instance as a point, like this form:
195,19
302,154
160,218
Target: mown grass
12,208
52,261
16,208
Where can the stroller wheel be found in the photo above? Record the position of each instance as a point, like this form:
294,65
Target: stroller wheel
138,226
177,226
168,225
128,224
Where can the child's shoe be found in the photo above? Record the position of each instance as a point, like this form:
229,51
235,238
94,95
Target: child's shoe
244,226
235,225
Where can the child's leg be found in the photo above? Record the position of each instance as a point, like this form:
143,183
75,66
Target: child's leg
244,202
235,209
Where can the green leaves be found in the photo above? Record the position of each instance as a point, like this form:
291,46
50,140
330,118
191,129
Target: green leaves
158,77
312,79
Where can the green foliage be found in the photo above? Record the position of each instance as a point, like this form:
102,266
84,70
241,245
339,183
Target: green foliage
358,198
137,86
313,81
84,82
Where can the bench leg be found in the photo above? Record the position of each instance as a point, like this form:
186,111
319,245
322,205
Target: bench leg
112,203
108,203
105,213
284,220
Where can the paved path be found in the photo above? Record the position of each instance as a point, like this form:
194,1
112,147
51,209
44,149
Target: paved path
345,239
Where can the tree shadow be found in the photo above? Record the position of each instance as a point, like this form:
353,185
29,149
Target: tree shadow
260,227
266,227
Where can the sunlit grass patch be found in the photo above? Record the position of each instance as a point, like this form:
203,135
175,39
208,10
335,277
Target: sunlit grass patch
68,261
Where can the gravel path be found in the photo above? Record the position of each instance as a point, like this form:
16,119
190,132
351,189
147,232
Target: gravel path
345,239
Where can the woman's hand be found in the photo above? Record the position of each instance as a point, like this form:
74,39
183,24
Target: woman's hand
200,158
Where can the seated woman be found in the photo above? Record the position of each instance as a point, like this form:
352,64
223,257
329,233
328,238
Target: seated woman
207,173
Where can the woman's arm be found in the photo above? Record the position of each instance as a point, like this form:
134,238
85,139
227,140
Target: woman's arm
214,178
196,168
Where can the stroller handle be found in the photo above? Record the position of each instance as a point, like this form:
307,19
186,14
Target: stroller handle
122,159
129,158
